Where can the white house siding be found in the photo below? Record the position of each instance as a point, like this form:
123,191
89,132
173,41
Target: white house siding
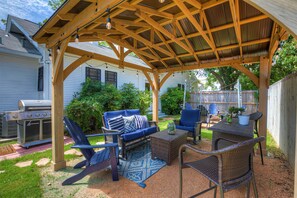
73,83
18,80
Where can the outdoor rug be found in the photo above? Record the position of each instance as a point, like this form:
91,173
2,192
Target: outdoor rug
139,166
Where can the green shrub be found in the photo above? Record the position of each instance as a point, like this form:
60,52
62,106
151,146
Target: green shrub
145,101
87,113
130,96
172,100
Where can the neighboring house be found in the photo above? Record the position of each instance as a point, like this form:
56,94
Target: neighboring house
25,69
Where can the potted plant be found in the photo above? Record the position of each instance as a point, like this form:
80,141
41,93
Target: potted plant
237,112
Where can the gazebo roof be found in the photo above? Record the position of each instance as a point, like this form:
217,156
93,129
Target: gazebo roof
174,35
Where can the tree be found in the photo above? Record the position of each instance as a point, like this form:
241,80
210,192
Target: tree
55,4
4,21
225,76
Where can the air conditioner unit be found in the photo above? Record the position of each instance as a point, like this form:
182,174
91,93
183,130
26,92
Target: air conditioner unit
7,129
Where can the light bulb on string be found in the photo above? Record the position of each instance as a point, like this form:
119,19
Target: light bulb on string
50,55
106,66
76,37
173,75
137,73
58,49
123,71
108,22
161,1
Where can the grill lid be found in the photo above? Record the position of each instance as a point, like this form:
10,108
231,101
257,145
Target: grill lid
34,105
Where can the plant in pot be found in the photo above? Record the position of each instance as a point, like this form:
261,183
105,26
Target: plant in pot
235,111
242,119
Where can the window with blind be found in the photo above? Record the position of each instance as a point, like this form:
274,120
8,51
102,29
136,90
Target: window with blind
40,79
93,74
111,78
181,86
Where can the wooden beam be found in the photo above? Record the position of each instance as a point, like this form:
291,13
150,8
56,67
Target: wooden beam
149,79
165,78
222,63
90,13
141,39
234,7
156,97
192,19
66,17
263,98
283,12
59,58
203,15
157,26
121,57
70,68
128,46
127,53
195,3
103,58
115,50
57,113
247,72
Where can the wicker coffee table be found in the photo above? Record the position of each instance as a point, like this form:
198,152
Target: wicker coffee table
165,146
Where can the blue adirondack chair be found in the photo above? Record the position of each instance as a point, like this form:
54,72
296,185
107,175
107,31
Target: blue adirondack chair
213,109
95,161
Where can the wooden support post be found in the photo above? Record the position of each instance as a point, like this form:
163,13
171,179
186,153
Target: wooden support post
57,113
156,97
295,169
263,97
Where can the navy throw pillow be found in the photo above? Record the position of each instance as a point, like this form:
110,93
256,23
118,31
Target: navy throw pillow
116,123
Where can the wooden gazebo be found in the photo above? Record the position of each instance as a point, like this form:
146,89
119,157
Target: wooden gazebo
169,36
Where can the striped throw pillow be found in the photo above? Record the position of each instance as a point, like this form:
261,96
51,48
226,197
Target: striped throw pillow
130,124
141,122
116,123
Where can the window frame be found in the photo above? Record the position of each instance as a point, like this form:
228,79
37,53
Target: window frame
88,72
108,77
40,79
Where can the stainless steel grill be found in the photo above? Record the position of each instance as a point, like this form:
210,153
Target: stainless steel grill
34,122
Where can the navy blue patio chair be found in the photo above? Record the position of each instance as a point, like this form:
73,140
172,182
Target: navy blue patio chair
190,121
94,161
188,106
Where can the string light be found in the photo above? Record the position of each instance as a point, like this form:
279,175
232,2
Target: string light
77,37
50,55
108,22
173,75
123,71
106,66
58,49
161,1
137,74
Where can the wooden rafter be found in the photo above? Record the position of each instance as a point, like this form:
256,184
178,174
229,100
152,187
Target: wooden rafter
128,46
204,18
141,39
165,78
234,7
149,79
169,47
192,19
247,72
216,29
180,29
157,26
266,40
107,59
221,63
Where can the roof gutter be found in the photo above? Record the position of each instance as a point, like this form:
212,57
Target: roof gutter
18,53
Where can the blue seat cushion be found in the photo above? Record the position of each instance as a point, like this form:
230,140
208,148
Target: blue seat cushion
130,112
150,130
190,117
186,128
111,114
133,135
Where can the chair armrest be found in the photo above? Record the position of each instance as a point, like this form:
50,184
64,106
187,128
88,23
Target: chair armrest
198,123
227,140
110,130
83,146
152,123
104,134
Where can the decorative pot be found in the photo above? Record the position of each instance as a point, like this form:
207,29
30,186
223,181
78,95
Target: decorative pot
243,119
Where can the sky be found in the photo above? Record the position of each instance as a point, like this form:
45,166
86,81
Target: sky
32,10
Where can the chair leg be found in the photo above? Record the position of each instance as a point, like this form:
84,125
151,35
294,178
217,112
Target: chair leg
221,192
215,192
80,164
88,170
261,152
113,162
248,190
180,182
255,187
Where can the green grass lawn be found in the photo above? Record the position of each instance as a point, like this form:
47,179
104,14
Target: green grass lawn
26,182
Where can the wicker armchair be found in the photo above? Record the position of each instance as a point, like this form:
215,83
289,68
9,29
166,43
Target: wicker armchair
256,117
227,168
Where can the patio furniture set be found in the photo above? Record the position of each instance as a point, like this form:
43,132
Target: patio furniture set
228,166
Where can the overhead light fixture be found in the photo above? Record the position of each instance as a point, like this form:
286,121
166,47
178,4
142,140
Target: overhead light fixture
77,37
161,1
108,22
50,55
58,49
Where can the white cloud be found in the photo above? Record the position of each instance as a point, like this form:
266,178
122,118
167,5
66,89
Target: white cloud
33,10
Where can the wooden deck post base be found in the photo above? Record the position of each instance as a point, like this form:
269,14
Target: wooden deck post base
59,165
